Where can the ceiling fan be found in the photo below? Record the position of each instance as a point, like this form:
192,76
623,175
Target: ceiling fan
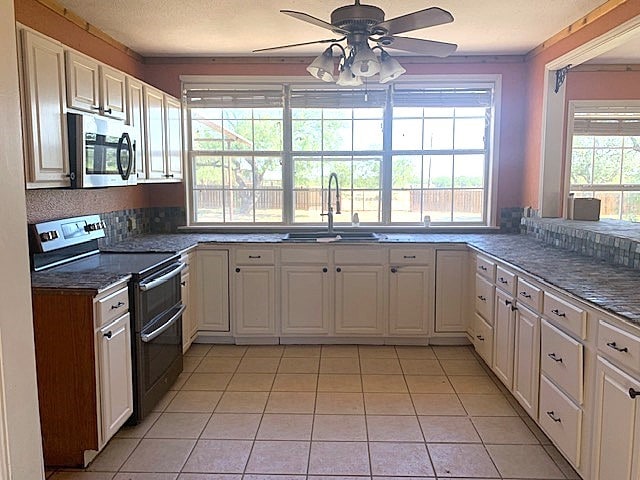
360,24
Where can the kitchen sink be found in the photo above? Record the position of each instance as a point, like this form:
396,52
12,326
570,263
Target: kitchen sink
328,237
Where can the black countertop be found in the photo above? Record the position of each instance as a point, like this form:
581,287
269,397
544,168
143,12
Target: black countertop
612,288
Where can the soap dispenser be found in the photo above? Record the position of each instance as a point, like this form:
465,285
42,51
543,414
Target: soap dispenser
355,220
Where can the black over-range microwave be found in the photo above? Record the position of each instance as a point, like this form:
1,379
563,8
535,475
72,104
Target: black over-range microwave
102,151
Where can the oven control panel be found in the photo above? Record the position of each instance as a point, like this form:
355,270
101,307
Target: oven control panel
48,236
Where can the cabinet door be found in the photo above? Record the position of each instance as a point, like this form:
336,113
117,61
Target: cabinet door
187,315
116,388
212,290
483,338
526,368
410,300
44,112
451,291
305,299
359,296
154,126
112,92
504,338
173,115
616,437
83,86
135,118
254,300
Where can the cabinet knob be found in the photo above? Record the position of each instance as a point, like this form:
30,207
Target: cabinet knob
338,269
480,337
325,270
552,416
237,270
633,393
183,283
616,347
513,308
508,302
484,299
107,110
108,334
558,313
394,270
483,268
525,295
554,357
117,305
502,280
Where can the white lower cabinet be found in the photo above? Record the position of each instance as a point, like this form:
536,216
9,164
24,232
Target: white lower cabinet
116,394
212,290
616,436
359,297
410,300
254,303
504,338
187,315
483,338
306,299
452,287
526,368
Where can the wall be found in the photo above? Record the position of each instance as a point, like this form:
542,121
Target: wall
45,205
535,90
603,85
167,76
18,391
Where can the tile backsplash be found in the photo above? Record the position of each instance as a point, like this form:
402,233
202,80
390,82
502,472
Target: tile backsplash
123,224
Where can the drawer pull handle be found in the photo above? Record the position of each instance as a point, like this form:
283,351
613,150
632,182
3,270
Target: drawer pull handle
255,256
483,268
616,347
484,299
109,335
502,280
633,393
555,358
513,308
480,337
408,256
508,302
394,270
184,284
525,295
117,305
552,416
558,313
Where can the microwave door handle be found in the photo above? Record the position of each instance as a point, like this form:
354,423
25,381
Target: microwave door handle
125,141
162,279
147,337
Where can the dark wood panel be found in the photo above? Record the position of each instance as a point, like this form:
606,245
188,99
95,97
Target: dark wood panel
65,361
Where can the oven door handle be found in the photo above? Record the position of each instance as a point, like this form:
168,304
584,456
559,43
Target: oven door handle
144,286
147,337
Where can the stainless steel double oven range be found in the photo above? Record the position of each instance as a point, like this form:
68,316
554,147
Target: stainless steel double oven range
69,247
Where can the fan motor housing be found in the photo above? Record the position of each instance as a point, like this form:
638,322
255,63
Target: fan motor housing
357,18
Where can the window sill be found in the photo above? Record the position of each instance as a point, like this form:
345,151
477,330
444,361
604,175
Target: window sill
345,228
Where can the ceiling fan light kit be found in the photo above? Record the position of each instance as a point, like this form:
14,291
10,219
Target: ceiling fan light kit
360,24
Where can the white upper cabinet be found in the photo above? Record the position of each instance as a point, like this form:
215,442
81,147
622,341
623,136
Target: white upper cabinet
173,115
44,108
135,118
94,87
163,136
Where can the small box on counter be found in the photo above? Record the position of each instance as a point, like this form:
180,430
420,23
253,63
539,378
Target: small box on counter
584,209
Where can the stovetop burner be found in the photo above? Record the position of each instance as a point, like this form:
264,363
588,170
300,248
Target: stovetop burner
138,264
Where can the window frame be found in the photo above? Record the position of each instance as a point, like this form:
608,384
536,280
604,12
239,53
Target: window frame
493,81
571,112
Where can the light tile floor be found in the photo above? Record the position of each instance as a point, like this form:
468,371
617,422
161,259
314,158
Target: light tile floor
330,412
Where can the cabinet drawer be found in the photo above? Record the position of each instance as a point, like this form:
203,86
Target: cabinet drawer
486,268
483,338
529,294
506,280
485,294
247,256
561,419
297,255
112,306
569,316
410,256
359,256
561,360
622,347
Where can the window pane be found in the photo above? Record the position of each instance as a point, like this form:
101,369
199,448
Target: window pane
583,141
438,134
307,173
438,112
470,111
206,134
367,113
610,204
467,205
367,135
342,168
268,135
329,113
308,205
581,165
631,206
407,112
237,134
366,174
239,206
407,171
437,204
208,206
238,172
268,206
606,166
336,135
469,133
367,204
405,206
438,171
268,172
608,142
469,171
265,113
307,135
207,172
407,134
631,167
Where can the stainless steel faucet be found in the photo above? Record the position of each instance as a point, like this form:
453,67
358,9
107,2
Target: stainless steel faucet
329,213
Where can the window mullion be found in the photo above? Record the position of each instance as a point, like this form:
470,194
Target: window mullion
387,167
287,159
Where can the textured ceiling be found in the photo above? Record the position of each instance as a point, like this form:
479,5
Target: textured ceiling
629,53
236,27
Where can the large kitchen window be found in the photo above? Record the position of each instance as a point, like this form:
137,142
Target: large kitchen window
264,155
605,157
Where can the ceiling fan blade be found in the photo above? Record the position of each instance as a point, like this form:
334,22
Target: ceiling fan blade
422,47
313,21
429,17
330,40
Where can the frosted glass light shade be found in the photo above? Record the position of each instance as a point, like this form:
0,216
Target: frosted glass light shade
390,68
347,79
365,63
322,67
